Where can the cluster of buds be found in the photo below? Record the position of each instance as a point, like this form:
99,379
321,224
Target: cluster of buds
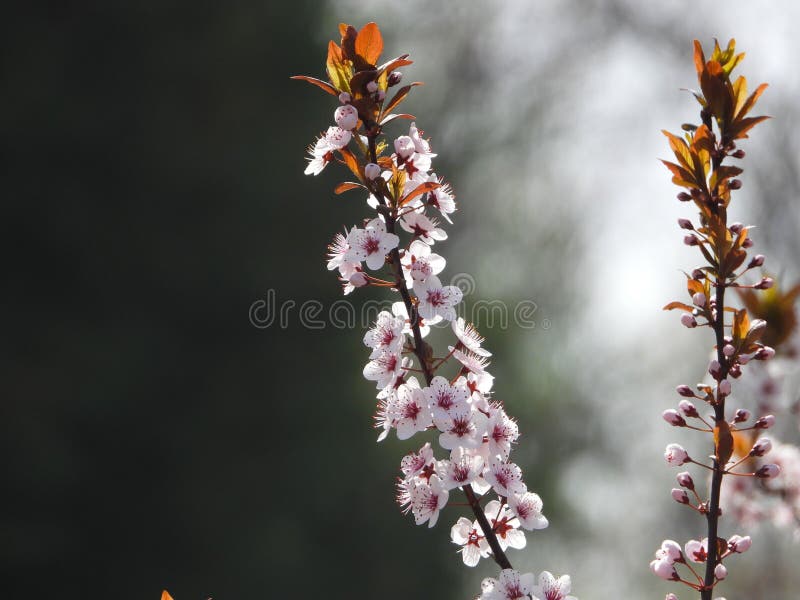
709,183
457,411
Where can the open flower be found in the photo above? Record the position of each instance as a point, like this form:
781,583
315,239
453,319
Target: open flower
552,588
473,544
511,585
436,300
370,244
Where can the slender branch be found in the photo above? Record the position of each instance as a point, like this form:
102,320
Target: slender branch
421,351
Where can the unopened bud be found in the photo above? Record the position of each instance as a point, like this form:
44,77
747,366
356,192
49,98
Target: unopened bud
728,350
714,369
768,471
685,391
691,240
688,409
698,274
344,97
764,353
684,197
664,569
346,117
372,87
685,480
372,171
394,78
675,455
739,544
735,184
741,415
765,283
671,596
672,417
738,154
381,96
685,224
688,320
736,228
735,371
761,447
747,243
404,146
765,422
680,496
358,279
725,387
720,571
756,261
699,299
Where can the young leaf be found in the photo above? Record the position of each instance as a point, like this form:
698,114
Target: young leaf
338,72
346,186
317,82
741,324
681,305
422,188
349,159
393,116
369,43
165,595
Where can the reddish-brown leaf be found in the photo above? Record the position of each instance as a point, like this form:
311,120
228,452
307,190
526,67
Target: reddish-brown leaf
681,305
423,188
349,42
682,177
346,186
395,63
750,102
392,117
369,43
350,160
740,128
317,82
699,58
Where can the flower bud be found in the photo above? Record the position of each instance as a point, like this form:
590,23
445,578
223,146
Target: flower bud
671,596
766,352
372,171
721,571
714,369
761,447
756,261
684,197
765,422
735,371
680,496
747,243
685,224
699,299
685,480
394,78
724,387
664,569
736,228
672,550
688,320
739,544
372,87
768,471
688,409
738,154
728,350
741,416
765,283
698,274
691,240
358,279
675,455
344,97
381,95
685,391
346,117
404,146
672,417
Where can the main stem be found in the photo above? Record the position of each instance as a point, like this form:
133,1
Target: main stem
425,364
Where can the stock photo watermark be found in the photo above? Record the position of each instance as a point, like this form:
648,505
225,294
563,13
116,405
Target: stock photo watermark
269,311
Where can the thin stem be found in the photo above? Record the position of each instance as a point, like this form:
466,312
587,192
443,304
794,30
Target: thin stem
422,354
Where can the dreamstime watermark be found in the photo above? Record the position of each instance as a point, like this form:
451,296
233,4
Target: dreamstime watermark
270,312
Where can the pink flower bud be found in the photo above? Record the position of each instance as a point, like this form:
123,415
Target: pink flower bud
768,471
728,350
761,447
394,78
714,369
344,97
680,496
699,299
765,422
741,415
765,283
672,550
698,274
747,243
685,391
739,544
736,228
688,320
765,353
381,95
671,596
685,480
372,171
685,224
735,371
691,240
756,261
346,117
404,146
688,409
675,455
372,87
725,387
358,279
684,197
720,571
672,417
664,569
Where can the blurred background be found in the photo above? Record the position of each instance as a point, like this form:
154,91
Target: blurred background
153,191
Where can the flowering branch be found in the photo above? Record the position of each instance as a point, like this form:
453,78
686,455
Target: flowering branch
700,169
472,426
